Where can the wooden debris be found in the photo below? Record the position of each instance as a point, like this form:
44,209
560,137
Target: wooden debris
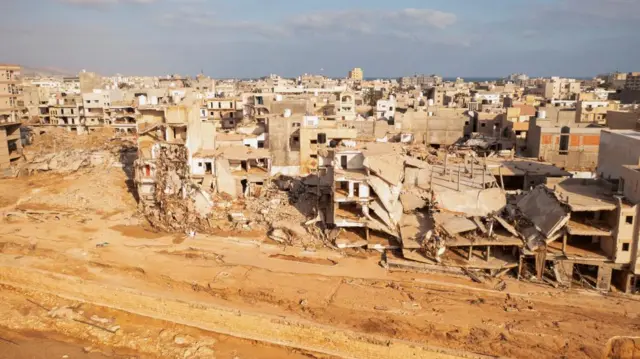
473,275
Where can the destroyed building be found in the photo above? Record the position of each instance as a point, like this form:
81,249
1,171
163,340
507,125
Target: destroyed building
10,121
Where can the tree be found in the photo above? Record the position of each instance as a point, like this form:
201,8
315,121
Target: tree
371,97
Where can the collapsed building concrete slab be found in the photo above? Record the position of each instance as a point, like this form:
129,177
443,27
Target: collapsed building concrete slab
454,224
225,182
544,210
471,202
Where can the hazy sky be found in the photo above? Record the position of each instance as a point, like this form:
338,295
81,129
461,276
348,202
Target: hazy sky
250,38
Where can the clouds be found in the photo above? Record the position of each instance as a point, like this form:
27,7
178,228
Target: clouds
243,38
100,3
337,25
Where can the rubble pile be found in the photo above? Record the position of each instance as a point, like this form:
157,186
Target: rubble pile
60,151
57,139
175,206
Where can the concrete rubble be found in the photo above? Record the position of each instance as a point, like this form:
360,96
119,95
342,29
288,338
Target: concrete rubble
60,152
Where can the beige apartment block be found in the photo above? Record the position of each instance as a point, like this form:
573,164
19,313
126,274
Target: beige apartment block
356,74
594,111
632,81
10,98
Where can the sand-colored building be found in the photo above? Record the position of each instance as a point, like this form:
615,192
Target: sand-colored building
10,99
356,74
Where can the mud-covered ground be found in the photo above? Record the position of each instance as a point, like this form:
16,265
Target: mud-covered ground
81,275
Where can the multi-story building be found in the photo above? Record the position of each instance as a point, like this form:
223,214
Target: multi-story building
122,117
67,112
386,108
356,74
632,82
10,112
94,108
560,89
10,94
366,183
317,141
570,146
226,112
594,111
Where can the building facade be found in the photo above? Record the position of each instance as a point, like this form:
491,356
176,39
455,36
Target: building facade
356,74
10,112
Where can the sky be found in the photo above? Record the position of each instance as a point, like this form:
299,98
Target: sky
386,38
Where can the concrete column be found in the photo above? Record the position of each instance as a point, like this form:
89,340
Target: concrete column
351,189
604,278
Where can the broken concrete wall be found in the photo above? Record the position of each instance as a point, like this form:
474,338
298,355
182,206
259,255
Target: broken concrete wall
388,194
225,181
279,138
471,202
389,167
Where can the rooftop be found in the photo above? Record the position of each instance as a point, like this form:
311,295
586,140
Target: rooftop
632,134
585,195
520,167
242,153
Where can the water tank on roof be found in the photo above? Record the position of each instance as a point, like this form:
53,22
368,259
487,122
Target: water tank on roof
278,98
154,100
430,102
287,112
322,138
542,114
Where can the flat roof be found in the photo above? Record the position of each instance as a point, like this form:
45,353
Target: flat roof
583,195
520,167
633,134
242,153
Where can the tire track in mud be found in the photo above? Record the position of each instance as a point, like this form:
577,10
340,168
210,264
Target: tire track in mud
278,330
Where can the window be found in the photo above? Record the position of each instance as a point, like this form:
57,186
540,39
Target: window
466,123
625,247
565,133
629,220
199,164
483,125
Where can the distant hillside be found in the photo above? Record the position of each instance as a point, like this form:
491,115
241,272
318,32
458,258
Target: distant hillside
45,72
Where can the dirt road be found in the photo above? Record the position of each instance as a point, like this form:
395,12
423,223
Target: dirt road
228,297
